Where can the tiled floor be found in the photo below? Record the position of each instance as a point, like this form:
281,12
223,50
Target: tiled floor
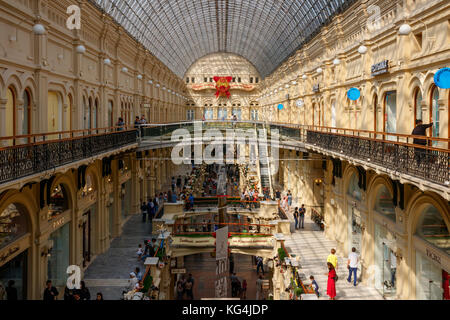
109,272
203,269
313,248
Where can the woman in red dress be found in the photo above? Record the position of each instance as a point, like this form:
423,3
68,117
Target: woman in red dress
331,285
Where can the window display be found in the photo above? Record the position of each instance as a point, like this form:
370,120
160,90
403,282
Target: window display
58,202
13,224
59,256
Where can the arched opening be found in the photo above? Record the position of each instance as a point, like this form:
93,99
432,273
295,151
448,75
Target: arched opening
431,279
86,113
95,115
14,224
375,112
434,112
110,113
390,113
88,193
55,112
89,114
25,118
417,106
58,202
68,116
10,114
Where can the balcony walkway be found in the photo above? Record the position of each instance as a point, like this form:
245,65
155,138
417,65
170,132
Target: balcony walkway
313,248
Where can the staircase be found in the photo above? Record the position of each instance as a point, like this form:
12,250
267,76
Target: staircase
264,169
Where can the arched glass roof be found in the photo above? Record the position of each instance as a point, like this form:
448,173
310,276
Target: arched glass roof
179,32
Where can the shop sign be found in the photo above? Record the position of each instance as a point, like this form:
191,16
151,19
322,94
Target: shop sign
58,223
256,241
178,271
380,68
8,253
433,256
316,88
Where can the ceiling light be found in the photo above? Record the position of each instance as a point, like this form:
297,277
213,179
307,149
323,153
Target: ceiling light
38,29
336,61
404,29
362,49
158,85
149,81
294,82
287,86
107,61
139,76
80,49
319,70
304,77
124,69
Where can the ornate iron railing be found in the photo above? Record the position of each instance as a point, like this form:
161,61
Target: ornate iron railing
394,151
21,160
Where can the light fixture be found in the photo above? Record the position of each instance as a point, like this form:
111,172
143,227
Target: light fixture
169,91
80,49
124,69
287,86
294,82
304,77
404,29
362,49
139,76
276,90
164,88
38,29
107,61
319,70
158,85
149,81
336,61
60,56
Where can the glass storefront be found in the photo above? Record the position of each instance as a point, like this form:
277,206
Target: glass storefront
433,229
428,279
59,256
355,230
15,273
13,224
384,203
111,215
385,261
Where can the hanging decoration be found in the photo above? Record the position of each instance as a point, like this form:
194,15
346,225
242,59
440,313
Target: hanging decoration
223,86
353,94
442,78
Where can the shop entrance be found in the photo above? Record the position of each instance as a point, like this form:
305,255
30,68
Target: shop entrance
14,273
385,261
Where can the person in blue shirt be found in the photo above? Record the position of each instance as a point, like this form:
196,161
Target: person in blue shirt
191,201
314,285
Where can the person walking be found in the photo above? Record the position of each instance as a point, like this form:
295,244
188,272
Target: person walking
296,216
289,199
420,130
259,284
189,287
244,289
11,291
332,258
331,284
259,264
84,291
352,265
50,292
315,285
301,214
144,211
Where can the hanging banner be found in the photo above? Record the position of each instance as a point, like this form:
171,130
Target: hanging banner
223,86
221,262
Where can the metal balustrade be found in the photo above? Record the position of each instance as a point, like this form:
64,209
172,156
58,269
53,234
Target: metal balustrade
43,152
21,156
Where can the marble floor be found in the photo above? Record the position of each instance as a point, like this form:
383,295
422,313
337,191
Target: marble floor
313,248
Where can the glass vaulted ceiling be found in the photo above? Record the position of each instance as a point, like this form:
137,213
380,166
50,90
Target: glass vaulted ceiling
265,32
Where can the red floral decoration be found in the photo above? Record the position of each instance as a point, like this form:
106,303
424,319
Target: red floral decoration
223,86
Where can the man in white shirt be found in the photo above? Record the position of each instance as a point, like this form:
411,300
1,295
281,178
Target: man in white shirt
352,265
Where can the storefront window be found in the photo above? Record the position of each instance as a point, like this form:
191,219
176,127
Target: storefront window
384,203
13,224
353,188
385,261
58,202
59,256
428,279
418,105
433,229
14,275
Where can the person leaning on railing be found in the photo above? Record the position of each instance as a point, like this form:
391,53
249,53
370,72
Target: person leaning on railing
420,130
120,124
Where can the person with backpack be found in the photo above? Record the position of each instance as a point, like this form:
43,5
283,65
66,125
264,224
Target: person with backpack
301,215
